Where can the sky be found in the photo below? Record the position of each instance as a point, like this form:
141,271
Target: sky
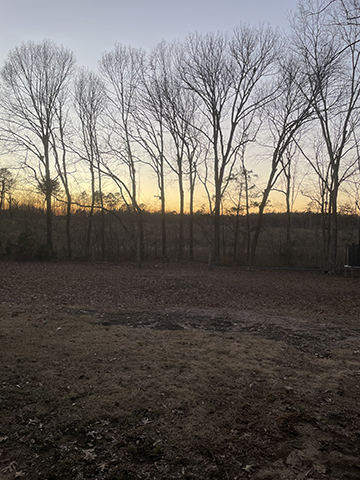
91,27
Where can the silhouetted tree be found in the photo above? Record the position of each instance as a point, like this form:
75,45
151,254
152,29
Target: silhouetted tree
90,105
224,72
286,114
329,49
152,133
60,150
32,81
123,70
178,108
7,183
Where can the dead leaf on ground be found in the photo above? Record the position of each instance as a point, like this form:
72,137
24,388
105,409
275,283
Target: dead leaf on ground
248,468
89,455
20,474
10,468
319,468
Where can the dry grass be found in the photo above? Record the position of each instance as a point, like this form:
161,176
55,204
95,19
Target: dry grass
86,396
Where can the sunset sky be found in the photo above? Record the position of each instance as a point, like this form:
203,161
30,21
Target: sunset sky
91,27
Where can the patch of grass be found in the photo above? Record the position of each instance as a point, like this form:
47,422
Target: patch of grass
83,400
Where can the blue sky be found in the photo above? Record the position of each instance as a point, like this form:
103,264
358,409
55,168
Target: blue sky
90,27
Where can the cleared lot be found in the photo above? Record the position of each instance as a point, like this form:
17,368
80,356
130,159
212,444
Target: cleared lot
109,372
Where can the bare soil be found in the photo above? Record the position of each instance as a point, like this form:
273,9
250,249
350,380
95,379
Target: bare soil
178,372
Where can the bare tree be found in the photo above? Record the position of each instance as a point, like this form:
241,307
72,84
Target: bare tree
90,105
194,153
318,189
224,73
152,134
33,78
60,150
330,55
347,11
250,192
178,108
123,71
7,182
286,115
240,196
290,186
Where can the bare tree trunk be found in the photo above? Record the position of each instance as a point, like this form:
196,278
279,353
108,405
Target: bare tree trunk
288,246
248,234
217,226
288,219
247,208
258,227
236,235
272,179
2,194
237,225
191,219
89,234
49,238
91,215
334,221
163,220
181,218
140,238
68,227
48,193
102,213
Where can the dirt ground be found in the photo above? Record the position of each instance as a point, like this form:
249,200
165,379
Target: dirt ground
178,372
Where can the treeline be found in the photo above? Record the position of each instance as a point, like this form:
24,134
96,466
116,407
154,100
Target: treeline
199,114
23,237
